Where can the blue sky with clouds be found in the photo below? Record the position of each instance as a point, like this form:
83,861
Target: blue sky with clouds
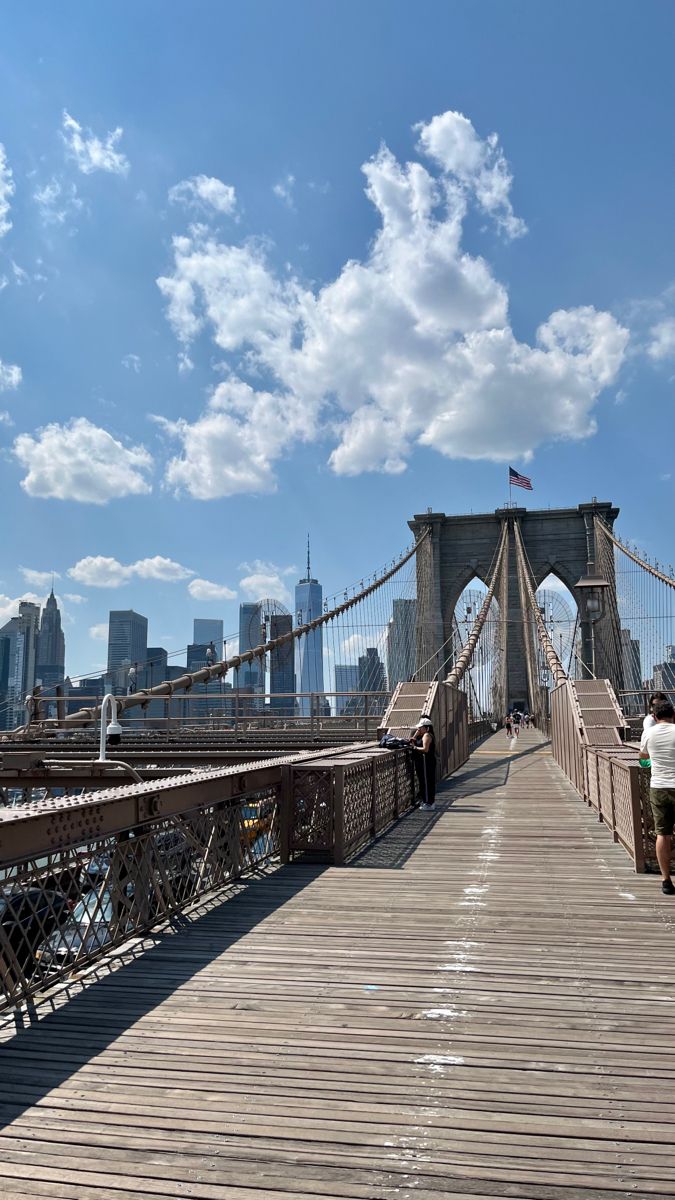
275,268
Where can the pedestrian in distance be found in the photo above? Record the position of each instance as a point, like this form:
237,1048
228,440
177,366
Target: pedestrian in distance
423,744
508,725
517,717
658,744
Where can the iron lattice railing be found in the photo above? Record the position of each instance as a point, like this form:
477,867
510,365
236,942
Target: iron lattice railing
61,911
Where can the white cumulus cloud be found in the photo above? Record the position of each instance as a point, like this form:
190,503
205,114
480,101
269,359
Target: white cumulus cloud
205,193
264,580
9,606
7,189
10,376
132,362
89,152
203,589
410,346
98,570
230,448
99,632
662,340
80,461
478,165
38,579
74,598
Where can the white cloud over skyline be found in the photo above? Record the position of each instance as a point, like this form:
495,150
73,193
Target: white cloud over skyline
204,589
98,570
91,153
80,461
38,579
265,580
411,346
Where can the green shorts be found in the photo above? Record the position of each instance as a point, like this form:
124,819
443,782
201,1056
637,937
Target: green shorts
662,801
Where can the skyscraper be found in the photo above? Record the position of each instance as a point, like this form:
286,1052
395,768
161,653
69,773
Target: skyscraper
372,678
346,680
250,675
282,662
21,633
207,630
309,649
127,645
401,642
50,656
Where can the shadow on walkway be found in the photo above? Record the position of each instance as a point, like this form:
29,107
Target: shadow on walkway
59,1041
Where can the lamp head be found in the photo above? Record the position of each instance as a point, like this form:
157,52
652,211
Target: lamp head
114,732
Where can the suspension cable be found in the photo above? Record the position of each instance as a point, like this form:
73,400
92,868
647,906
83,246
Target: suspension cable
217,670
555,666
466,653
629,553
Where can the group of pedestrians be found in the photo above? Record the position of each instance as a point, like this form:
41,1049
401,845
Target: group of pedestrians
658,745
514,721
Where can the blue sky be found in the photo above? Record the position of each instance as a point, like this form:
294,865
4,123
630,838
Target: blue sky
326,350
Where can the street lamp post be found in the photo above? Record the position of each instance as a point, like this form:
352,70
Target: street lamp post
593,588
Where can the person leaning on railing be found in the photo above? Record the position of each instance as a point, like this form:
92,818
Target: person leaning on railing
423,744
658,744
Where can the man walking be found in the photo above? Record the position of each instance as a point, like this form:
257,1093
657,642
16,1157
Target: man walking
658,744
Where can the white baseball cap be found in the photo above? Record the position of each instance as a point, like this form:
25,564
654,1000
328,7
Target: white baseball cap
423,721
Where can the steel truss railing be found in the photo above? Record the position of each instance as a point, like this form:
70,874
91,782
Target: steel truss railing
80,876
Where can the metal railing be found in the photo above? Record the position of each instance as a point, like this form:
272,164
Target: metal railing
234,709
60,911
610,780
80,876
338,805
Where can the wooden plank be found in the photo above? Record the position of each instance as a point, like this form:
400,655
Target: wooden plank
459,1012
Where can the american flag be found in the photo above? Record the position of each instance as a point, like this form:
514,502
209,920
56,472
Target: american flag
517,480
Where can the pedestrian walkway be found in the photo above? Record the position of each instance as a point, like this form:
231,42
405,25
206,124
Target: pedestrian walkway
481,1005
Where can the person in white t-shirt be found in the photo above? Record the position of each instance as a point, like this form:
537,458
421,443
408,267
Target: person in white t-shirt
654,699
658,744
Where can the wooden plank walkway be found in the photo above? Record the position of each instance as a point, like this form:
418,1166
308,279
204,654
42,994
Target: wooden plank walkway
481,1006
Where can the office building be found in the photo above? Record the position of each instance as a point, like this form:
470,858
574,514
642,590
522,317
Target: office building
401,642
207,630
86,693
632,673
309,649
282,666
127,639
664,678
346,680
50,654
127,649
21,633
5,644
251,674
372,679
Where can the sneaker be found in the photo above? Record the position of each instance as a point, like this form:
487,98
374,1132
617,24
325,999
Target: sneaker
666,886
430,808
